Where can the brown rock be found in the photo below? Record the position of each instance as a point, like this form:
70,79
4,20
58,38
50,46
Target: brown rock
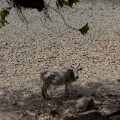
85,104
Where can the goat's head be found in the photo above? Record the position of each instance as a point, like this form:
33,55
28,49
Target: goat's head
76,70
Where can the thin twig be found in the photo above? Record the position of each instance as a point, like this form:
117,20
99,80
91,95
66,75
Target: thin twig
62,18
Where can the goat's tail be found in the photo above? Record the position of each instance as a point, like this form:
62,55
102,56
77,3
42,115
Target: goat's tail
43,94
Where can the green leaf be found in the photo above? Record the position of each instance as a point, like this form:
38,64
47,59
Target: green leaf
84,29
57,4
3,14
60,3
63,2
76,1
70,2
2,23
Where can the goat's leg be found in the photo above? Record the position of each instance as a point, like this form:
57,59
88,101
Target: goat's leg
66,90
44,90
43,93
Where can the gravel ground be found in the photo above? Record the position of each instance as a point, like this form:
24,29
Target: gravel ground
25,52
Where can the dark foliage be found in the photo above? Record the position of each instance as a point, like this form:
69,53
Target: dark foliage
3,14
38,4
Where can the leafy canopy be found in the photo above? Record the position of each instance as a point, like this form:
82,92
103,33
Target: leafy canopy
59,3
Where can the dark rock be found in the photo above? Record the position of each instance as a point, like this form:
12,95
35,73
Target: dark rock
91,105
79,96
85,104
53,113
118,80
89,115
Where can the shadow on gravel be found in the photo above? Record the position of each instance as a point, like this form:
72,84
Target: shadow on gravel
28,99
23,101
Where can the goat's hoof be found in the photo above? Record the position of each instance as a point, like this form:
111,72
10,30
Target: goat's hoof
45,98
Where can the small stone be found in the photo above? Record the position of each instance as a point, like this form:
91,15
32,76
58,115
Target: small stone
53,113
1,93
68,112
118,80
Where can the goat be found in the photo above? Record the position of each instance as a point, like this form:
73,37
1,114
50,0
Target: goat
58,77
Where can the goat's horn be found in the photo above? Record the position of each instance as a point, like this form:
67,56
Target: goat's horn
78,65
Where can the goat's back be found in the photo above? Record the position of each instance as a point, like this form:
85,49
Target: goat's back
58,77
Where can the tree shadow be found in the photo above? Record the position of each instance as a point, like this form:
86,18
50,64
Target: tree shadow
22,100
28,99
